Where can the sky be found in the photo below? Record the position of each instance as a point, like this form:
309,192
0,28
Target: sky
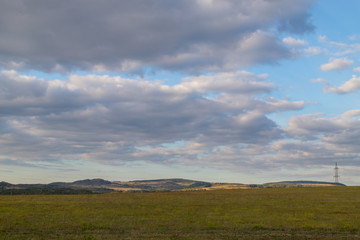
246,91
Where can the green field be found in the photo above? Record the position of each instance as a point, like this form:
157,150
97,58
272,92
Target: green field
275,213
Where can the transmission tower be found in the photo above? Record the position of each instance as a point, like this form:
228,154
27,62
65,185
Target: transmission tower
336,176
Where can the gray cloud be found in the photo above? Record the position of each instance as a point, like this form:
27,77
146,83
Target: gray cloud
128,35
201,120
310,126
105,118
333,138
311,142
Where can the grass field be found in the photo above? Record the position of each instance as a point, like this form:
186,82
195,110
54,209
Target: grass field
281,213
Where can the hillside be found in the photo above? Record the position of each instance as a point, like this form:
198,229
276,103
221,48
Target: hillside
91,186
302,184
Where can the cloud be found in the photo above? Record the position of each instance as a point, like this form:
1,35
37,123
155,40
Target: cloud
317,140
318,126
114,120
130,35
110,119
353,37
337,49
310,126
337,64
254,48
318,80
294,42
240,82
313,50
349,86
357,69
322,38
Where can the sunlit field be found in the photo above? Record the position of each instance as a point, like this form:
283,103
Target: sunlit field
276,213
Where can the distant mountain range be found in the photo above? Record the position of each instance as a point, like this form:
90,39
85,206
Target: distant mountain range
91,186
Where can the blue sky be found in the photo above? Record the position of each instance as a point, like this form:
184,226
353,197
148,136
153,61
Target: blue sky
222,91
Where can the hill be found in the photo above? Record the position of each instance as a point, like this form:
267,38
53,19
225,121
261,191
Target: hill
302,184
92,186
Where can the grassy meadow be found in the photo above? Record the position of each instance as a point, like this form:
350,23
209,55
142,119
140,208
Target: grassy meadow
274,213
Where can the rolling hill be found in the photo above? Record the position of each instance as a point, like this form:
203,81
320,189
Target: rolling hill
91,186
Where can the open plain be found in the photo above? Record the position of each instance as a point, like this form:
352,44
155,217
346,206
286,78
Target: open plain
270,213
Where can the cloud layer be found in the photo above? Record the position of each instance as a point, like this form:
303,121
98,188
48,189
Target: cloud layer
128,35
107,118
114,120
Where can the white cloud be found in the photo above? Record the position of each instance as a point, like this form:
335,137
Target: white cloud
349,86
240,82
351,114
318,80
323,38
313,50
357,69
294,42
338,49
337,64
353,37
